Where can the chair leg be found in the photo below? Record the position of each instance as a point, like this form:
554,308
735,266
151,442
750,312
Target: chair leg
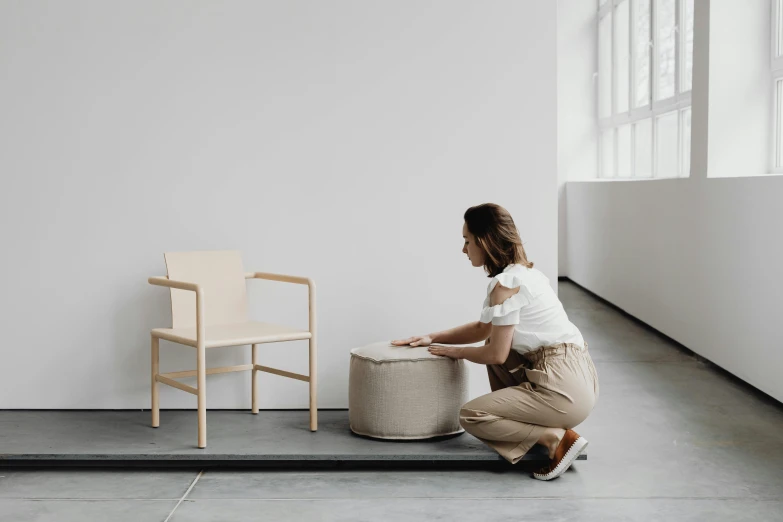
313,387
254,378
201,372
155,370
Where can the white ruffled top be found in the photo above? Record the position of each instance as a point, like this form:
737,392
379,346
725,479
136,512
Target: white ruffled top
535,311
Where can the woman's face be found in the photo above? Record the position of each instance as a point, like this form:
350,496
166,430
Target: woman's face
473,251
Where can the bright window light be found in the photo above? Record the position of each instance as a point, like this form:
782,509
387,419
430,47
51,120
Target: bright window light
642,45
666,139
687,46
779,126
645,66
666,47
605,66
622,56
685,142
607,154
780,28
777,85
624,164
643,148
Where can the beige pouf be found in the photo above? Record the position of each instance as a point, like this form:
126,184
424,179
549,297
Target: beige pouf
400,392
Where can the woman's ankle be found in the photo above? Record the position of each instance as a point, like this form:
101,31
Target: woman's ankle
550,439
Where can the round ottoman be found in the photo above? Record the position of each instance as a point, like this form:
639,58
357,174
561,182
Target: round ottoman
400,392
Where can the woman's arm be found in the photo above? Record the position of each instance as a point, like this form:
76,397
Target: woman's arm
496,352
466,334
499,346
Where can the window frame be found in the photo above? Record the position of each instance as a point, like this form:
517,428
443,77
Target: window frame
776,67
680,101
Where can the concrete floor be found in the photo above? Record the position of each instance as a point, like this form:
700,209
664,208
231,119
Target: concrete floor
671,438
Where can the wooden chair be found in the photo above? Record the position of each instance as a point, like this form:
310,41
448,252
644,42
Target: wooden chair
209,310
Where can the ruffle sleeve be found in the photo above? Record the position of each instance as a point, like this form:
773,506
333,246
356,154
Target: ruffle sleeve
507,312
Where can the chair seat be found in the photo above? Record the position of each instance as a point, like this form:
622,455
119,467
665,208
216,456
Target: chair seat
233,334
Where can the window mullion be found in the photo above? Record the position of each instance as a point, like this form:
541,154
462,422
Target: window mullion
633,150
679,63
678,6
778,99
777,34
597,76
612,61
621,119
679,143
631,56
654,51
615,148
777,162
651,54
640,114
654,133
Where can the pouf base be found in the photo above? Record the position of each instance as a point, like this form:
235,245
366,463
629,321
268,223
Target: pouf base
426,437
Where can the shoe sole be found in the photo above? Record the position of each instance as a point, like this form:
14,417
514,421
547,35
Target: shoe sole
573,452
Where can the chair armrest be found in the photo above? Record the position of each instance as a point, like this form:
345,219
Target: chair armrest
201,334
296,280
181,285
281,278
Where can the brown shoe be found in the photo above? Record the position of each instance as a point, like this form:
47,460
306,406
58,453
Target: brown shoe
571,446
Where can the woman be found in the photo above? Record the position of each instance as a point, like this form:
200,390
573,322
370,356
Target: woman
542,378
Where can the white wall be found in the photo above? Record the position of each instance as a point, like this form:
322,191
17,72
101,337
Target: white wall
339,140
699,258
577,152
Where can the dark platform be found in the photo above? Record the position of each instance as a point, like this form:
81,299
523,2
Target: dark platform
272,439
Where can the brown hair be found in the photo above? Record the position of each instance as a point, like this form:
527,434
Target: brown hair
497,236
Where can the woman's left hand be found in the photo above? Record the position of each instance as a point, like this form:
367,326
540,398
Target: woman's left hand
446,351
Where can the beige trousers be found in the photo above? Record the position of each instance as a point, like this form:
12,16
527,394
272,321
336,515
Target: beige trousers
555,386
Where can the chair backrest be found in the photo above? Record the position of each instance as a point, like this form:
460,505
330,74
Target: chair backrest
220,274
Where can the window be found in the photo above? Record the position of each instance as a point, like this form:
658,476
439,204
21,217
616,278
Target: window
687,47
666,142
622,59
777,79
607,152
645,64
685,140
665,47
642,47
605,66
643,148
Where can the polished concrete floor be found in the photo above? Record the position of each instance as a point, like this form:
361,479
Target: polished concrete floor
671,439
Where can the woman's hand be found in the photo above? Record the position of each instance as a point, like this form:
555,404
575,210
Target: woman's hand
421,340
447,351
